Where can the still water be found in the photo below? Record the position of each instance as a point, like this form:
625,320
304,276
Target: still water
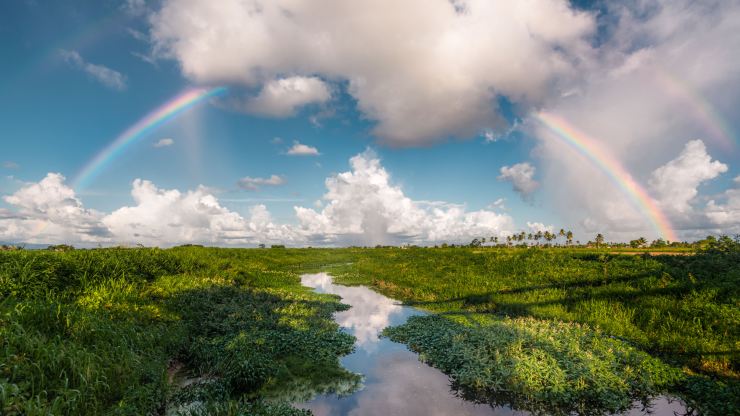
395,381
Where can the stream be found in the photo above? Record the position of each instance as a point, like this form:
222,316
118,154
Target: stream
395,381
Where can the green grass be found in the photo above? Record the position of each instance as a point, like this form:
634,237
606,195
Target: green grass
99,332
541,366
231,331
682,310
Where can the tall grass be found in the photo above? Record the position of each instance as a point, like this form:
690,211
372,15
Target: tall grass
230,331
684,310
101,332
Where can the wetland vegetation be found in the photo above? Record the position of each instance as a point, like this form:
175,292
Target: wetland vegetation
194,330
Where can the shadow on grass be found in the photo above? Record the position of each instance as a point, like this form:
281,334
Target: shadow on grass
254,344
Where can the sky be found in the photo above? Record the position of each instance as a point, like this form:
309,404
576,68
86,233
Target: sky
332,123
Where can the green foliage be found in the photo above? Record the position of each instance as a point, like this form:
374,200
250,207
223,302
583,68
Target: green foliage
547,367
682,309
231,331
98,332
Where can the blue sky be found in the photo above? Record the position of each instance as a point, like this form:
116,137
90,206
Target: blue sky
57,111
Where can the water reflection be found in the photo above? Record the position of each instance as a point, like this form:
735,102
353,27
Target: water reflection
396,382
370,311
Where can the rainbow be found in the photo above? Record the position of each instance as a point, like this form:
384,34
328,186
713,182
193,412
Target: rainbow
145,125
700,108
613,170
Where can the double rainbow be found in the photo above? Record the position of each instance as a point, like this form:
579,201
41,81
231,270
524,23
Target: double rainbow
613,169
145,125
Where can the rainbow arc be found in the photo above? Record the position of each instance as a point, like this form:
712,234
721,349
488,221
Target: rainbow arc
613,169
141,128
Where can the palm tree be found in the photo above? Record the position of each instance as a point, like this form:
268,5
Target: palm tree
569,237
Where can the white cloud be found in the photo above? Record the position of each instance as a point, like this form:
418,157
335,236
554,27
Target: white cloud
253,184
50,209
490,137
360,207
300,149
424,70
726,215
363,207
521,176
675,183
106,76
164,142
539,227
171,217
283,97
500,203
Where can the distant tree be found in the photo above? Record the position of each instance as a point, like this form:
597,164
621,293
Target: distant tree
569,237
60,247
599,240
475,243
658,243
261,246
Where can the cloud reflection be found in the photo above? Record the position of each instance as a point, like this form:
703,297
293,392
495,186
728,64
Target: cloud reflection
369,314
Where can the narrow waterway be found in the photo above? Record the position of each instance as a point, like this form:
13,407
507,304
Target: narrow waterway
395,381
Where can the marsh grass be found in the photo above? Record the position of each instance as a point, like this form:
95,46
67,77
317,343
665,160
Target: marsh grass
550,330
546,367
682,310
94,332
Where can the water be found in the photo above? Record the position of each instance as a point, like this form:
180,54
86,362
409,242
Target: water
396,382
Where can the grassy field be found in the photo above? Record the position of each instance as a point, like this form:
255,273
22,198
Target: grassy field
146,331
682,310
231,331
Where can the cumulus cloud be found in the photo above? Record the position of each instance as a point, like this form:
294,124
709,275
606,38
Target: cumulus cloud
171,216
300,149
726,215
283,97
50,212
426,78
675,183
106,76
253,184
362,206
539,227
521,176
51,208
164,142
